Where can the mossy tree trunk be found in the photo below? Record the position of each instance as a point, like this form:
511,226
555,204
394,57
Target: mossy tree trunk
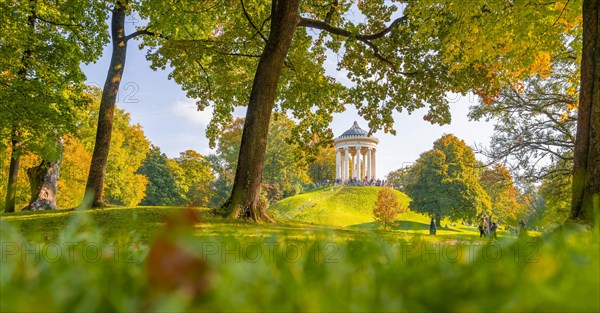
585,205
244,200
43,181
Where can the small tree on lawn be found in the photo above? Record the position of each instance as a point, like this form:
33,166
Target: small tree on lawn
386,207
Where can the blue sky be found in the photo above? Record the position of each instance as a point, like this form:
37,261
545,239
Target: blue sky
171,121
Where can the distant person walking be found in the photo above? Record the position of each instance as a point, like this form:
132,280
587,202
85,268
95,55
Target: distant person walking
486,226
432,229
481,227
522,232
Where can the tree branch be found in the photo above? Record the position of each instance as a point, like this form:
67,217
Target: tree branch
140,32
57,23
239,54
366,39
331,11
251,22
311,23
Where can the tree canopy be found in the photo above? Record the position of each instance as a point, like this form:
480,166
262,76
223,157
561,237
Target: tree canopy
505,198
162,188
42,45
395,57
445,182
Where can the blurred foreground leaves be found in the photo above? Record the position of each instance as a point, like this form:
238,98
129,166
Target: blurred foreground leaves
84,270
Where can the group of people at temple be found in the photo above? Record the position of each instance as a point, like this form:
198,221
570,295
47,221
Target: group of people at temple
364,182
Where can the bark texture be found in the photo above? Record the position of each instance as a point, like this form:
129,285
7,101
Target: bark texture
43,181
585,205
244,200
13,172
95,182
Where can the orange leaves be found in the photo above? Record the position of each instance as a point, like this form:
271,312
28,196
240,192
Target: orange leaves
519,88
169,266
386,207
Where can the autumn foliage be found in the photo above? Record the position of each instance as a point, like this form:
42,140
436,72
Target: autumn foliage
387,207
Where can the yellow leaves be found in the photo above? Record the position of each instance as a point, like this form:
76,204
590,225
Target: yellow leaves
570,107
516,74
564,16
73,176
542,65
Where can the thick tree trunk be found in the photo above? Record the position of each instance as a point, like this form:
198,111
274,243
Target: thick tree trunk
13,173
43,181
244,199
95,182
585,205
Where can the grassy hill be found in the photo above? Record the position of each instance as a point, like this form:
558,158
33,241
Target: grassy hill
351,206
346,206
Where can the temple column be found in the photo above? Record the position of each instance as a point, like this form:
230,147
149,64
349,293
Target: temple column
368,163
352,166
337,164
357,175
374,165
346,161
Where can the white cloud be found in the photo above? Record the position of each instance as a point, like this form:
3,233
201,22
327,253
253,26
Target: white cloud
189,111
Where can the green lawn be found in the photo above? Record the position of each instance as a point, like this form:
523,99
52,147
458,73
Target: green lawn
130,259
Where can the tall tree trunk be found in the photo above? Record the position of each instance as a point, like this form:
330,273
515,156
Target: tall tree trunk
244,199
95,182
15,156
43,181
585,205
13,172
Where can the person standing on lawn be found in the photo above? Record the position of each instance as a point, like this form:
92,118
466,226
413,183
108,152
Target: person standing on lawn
493,229
481,227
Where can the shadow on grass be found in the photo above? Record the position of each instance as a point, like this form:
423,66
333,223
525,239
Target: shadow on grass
402,225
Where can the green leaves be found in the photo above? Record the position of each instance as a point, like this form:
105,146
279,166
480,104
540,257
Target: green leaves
445,181
41,48
162,188
396,56
194,176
